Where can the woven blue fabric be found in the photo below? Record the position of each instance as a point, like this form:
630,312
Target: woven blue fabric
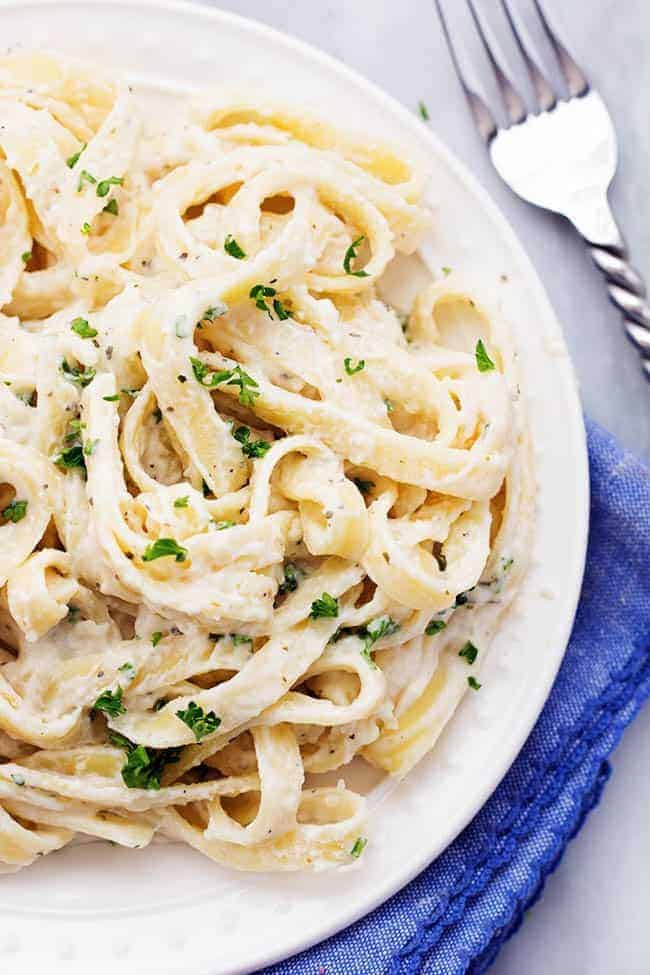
455,916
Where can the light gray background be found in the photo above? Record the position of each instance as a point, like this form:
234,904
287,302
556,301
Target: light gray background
593,918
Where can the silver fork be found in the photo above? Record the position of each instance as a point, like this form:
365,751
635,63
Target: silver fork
562,158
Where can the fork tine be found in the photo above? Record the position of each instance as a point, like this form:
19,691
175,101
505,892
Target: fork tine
546,98
483,117
512,100
576,81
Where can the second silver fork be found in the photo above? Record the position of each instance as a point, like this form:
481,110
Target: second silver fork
561,158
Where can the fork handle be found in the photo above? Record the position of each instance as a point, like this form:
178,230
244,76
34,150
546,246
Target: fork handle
627,292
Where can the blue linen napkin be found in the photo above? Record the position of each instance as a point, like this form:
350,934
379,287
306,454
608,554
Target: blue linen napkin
455,916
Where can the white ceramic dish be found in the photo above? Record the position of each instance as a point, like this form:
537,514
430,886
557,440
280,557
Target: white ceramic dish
94,907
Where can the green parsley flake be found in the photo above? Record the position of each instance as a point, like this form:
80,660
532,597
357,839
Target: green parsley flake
104,186
374,631
112,399
112,207
473,683
424,111
82,328
200,723
156,638
144,766
291,578
350,255
182,502
350,369
86,228
483,361
248,391
359,846
163,548
213,312
446,271
251,448
110,702
71,457
435,626
26,257
469,652
85,177
128,670
259,293
90,446
220,525
72,161
232,247
15,511
239,638
325,607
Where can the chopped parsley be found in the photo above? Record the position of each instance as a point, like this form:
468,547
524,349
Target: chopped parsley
104,186
364,486
434,626
26,257
375,630
164,548
112,399
325,607
350,255
350,369
182,502
82,328
85,177
156,638
446,271
90,447
110,702
259,293
291,578
359,846
128,670
112,207
231,247
424,111
86,228
72,161
200,723
469,652
239,638
251,448
71,457
144,766
15,511
209,378
220,525
483,361
80,377
213,312
473,683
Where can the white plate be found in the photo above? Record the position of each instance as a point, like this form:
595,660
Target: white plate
94,907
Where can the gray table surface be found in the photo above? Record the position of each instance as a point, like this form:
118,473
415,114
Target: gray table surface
592,919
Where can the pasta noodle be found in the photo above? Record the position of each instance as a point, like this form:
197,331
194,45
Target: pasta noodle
253,525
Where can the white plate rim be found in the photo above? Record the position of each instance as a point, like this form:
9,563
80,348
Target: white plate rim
574,419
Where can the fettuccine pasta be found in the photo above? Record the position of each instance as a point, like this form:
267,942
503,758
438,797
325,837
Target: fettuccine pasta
255,523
